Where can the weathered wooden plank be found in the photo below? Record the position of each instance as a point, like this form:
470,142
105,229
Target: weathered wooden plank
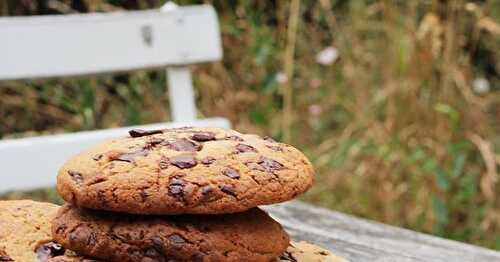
362,240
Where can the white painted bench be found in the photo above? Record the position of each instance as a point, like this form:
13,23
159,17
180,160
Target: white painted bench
174,38
70,45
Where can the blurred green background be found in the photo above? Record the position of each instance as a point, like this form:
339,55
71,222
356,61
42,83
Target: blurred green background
397,103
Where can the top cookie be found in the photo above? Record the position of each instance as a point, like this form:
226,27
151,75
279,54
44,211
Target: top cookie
185,171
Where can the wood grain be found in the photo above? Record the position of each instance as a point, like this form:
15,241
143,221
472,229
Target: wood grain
362,240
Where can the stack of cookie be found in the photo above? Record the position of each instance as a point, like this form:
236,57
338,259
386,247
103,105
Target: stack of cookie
184,194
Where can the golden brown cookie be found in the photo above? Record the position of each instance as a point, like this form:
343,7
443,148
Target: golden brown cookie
185,170
248,236
306,252
25,231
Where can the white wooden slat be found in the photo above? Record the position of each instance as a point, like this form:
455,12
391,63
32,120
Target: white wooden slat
62,45
181,94
29,163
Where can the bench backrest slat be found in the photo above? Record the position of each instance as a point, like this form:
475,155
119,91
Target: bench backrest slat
63,45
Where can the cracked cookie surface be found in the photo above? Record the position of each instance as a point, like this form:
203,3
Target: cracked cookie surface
248,236
25,231
185,170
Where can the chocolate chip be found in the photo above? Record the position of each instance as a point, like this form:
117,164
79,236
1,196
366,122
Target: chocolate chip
97,157
141,132
128,157
323,253
234,138
242,148
208,160
158,244
269,165
175,189
209,194
4,257
275,148
176,240
288,257
75,176
184,144
154,254
176,186
153,142
268,138
183,161
203,136
206,190
49,250
231,172
228,189
164,163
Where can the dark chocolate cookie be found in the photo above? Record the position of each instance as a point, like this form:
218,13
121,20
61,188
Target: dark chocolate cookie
185,171
248,236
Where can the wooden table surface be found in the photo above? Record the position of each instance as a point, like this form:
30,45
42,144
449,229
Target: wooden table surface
360,240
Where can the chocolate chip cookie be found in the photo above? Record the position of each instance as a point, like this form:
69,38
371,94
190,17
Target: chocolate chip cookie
25,231
248,236
306,252
185,171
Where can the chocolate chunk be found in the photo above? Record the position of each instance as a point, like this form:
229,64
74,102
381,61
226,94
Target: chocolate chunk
234,138
242,148
176,186
49,250
209,194
4,257
228,189
128,157
183,161
206,190
153,142
208,160
268,138
275,148
141,132
175,189
270,165
97,157
184,144
231,172
164,163
176,240
154,254
158,244
288,257
323,253
75,176
203,136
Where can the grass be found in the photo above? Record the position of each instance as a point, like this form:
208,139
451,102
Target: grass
396,127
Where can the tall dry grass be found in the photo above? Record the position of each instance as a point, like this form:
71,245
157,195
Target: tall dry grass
402,127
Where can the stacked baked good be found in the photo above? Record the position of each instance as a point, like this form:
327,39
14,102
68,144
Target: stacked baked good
183,194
